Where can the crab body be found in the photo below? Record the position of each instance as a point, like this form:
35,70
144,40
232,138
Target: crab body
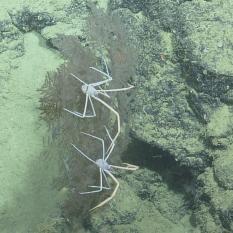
89,89
103,164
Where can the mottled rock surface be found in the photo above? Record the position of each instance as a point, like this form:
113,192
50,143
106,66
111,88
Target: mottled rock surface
180,116
144,204
183,103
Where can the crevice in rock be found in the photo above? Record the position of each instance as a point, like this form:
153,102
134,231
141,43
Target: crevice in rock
178,178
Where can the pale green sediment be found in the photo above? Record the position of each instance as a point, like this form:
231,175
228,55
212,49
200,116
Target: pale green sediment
220,122
26,195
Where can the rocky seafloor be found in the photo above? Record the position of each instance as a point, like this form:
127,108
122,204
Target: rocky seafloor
177,122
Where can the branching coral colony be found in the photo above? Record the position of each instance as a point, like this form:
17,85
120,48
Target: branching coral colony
93,90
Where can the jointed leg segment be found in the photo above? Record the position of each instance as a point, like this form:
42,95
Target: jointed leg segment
112,195
129,167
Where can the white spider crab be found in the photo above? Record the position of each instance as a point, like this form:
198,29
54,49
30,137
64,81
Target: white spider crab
105,169
92,90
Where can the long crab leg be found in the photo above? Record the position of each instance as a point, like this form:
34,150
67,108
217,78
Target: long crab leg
115,112
100,188
82,153
113,193
101,92
106,179
109,187
103,73
83,115
100,139
118,89
78,79
112,145
129,167
94,186
92,106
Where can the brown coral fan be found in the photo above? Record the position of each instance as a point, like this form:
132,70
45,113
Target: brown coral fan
61,90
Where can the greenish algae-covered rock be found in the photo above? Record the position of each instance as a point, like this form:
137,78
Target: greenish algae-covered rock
143,204
223,169
204,39
177,86
220,127
206,35
183,100
215,204
161,114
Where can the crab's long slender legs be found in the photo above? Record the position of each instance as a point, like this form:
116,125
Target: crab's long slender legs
78,114
100,187
83,115
101,92
78,79
82,153
129,167
93,186
111,146
92,106
115,112
109,78
113,193
100,139
118,89
106,67
105,177
85,107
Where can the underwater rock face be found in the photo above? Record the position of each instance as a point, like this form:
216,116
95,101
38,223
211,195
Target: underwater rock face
183,99
144,204
161,112
206,34
179,88
223,167
182,107
214,203
26,20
